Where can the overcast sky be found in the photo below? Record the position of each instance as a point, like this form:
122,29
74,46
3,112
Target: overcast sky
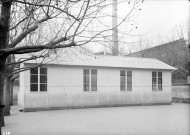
158,18
156,21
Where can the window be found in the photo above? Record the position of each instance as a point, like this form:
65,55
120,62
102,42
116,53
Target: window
93,80
156,81
43,79
159,80
34,79
86,79
125,80
90,79
122,80
38,79
129,80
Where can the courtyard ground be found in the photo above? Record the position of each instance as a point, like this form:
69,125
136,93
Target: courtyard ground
135,120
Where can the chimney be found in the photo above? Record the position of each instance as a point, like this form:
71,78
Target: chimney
189,24
115,49
188,77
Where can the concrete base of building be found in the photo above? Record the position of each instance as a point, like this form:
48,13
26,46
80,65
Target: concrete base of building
90,106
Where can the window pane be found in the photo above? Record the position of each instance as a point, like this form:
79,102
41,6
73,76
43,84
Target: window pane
129,84
160,74
86,71
43,79
34,71
122,87
43,87
94,87
129,87
153,74
86,79
159,80
43,71
159,87
33,78
122,80
94,71
122,72
33,87
153,80
86,87
129,80
93,79
129,73
153,87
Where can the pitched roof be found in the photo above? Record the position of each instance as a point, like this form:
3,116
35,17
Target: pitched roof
114,61
180,43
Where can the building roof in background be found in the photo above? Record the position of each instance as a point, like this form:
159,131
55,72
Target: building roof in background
181,43
113,61
173,53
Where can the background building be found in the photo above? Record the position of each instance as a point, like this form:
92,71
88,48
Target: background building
173,53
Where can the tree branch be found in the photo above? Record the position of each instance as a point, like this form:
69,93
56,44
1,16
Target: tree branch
45,5
35,48
81,20
26,32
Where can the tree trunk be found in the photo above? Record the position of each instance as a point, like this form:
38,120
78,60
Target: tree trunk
11,92
2,77
4,28
7,96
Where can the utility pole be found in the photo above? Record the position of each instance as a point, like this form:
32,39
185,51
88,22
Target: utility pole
115,47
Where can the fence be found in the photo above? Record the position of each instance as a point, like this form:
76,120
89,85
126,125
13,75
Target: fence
181,93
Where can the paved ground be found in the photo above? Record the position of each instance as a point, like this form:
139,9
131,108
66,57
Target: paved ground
147,120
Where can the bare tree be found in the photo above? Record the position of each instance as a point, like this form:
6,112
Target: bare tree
140,45
62,24
12,72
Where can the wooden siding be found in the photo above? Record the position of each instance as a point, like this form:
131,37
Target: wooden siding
65,89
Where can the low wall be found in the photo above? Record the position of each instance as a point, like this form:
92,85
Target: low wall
181,93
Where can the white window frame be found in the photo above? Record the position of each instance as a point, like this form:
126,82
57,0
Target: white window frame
126,81
157,78
38,83
90,80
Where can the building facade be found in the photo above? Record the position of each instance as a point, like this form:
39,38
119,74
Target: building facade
96,82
